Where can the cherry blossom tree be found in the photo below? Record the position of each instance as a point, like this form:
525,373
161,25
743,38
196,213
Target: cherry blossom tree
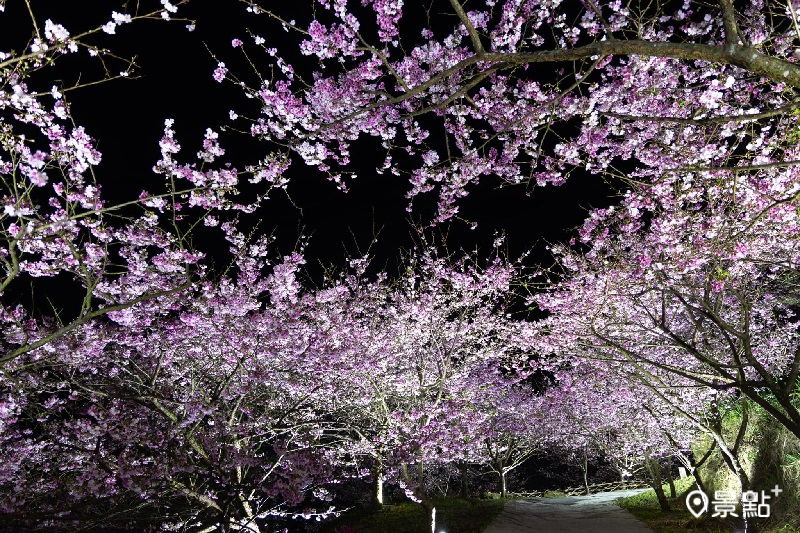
669,351
55,221
185,398
194,415
245,404
439,338
710,302
176,397
512,431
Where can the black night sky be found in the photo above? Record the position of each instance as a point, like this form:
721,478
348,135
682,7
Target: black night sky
174,80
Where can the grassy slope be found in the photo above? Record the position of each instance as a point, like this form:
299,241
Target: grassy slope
645,507
453,515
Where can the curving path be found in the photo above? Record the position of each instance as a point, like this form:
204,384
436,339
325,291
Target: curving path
573,514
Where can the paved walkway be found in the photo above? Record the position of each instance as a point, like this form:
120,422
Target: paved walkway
574,514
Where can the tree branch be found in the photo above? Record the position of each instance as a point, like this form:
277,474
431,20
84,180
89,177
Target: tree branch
86,318
729,22
763,166
774,68
473,33
793,106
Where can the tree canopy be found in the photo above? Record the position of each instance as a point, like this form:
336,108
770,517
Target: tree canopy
190,386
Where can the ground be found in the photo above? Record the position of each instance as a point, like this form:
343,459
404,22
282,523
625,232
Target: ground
574,514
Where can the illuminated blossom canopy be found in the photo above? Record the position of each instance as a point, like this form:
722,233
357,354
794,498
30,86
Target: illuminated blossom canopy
182,394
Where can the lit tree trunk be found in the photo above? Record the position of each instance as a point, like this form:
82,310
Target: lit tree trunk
427,504
586,471
419,492
248,524
499,465
379,483
430,513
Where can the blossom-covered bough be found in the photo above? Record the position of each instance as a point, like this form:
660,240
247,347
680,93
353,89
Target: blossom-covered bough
478,89
55,221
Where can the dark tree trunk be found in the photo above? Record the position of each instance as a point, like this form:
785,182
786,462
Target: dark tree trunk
670,480
464,469
694,467
586,471
656,483
731,460
698,480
